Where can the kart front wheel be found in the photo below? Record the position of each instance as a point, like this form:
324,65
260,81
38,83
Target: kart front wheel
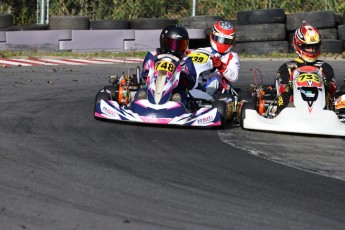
114,91
221,107
242,111
100,96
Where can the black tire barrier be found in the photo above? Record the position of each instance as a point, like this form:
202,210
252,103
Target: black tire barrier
255,26
332,46
6,20
341,32
69,23
201,22
329,33
261,32
262,48
339,19
150,23
109,25
318,19
265,16
27,27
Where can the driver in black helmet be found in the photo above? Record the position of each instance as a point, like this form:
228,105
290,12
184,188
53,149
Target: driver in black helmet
174,39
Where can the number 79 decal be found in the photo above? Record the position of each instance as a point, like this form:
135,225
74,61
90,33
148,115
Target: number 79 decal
198,57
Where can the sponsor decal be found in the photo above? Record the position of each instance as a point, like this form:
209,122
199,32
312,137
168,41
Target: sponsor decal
205,120
108,111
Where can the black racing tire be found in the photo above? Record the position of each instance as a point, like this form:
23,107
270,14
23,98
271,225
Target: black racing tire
242,114
263,32
69,23
109,25
332,46
114,91
329,33
339,19
262,48
6,20
319,19
100,96
261,16
341,32
27,27
150,23
201,22
221,106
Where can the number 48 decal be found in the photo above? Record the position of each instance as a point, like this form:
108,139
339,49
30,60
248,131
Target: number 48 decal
166,66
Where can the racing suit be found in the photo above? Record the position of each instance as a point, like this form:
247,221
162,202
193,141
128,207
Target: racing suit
227,70
284,84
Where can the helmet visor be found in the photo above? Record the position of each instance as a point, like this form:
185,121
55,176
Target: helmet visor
174,45
222,40
311,48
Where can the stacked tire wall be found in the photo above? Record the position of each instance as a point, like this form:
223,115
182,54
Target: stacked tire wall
259,32
262,32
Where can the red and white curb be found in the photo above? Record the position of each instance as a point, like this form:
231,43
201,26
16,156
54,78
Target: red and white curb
8,62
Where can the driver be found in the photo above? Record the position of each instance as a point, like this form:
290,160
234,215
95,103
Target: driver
174,39
224,60
307,44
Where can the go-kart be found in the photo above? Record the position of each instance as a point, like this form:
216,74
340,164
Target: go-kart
226,99
151,101
307,113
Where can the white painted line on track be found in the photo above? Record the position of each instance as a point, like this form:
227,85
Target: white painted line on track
13,63
91,61
38,61
71,61
62,62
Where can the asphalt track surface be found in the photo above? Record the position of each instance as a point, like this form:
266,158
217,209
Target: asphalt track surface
62,169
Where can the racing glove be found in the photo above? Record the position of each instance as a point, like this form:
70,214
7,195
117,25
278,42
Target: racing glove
218,64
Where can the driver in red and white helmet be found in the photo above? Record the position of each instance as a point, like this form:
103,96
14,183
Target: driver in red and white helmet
225,61
307,44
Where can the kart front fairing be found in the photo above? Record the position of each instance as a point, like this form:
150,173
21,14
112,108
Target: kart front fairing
308,115
170,113
292,120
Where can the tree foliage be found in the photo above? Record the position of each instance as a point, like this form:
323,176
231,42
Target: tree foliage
27,11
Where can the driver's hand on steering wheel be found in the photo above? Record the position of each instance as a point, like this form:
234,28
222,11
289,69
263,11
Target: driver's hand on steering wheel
218,64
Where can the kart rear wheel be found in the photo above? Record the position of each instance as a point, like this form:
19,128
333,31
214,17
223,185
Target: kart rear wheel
230,110
221,106
242,114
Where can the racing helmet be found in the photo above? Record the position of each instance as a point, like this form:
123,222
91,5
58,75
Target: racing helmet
174,39
307,42
222,36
